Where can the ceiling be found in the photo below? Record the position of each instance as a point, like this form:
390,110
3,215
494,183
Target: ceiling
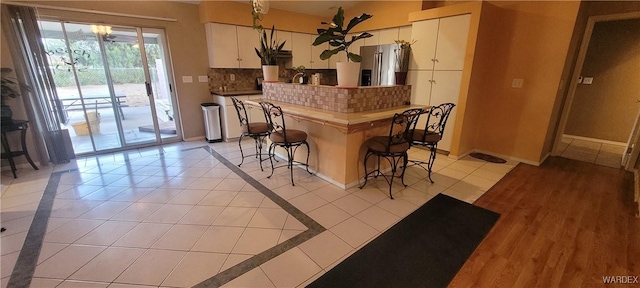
324,8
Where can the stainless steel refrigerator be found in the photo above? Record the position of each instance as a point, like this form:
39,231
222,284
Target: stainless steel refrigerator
377,67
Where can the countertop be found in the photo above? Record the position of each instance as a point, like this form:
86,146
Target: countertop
236,93
345,121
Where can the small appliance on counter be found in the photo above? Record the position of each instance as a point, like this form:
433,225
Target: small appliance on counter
259,81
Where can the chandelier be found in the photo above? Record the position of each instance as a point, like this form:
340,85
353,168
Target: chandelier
101,30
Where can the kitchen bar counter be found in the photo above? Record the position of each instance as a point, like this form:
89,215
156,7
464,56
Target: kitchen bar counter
237,93
336,139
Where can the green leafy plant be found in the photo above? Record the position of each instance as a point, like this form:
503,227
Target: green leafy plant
336,35
9,86
269,48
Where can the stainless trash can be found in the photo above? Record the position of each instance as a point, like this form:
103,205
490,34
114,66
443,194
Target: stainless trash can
211,112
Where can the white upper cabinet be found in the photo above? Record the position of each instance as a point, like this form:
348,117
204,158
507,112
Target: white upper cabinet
452,42
232,46
301,49
404,33
388,36
222,44
355,46
248,40
284,36
440,43
424,50
373,40
316,62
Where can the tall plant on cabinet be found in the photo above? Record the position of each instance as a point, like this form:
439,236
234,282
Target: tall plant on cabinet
336,35
268,53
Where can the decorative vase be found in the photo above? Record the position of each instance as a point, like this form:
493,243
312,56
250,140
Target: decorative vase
270,73
401,78
348,73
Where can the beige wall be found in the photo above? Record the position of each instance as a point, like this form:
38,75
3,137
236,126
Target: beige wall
239,13
531,42
186,38
386,14
607,108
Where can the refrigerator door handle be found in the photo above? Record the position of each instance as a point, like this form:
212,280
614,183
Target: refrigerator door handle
377,69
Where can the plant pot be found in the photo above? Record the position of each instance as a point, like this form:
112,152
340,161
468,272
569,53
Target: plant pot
270,73
401,78
348,73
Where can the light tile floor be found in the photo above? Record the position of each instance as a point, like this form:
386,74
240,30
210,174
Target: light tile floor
593,152
174,216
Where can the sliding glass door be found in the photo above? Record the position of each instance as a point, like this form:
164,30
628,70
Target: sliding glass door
113,85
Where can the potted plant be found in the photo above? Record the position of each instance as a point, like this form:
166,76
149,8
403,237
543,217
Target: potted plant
402,60
336,35
268,53
9,90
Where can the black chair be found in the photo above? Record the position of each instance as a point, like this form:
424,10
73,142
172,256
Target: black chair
256,130
432,133
280,136
393,147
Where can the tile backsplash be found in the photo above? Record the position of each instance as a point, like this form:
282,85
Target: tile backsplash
245,79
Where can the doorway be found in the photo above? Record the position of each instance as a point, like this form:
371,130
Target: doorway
113,84
603,103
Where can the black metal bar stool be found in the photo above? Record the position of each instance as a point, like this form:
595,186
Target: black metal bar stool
256,130
432,134
392,147
280,136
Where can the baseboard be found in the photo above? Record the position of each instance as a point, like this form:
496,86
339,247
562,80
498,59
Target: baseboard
602,141
194,138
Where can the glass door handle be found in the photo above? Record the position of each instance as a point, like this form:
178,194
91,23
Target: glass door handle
148,85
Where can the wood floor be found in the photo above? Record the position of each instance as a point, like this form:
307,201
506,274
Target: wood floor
563,224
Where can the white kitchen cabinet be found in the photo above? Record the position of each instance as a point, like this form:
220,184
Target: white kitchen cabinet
248,40
304,53
404,33
316,62
440,43
222,45
301,49
373,40
284,36
437,63
388,36
232,46
230,123
445,88
424,50
355,46
452,42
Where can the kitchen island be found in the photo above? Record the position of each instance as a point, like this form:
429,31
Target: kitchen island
336,138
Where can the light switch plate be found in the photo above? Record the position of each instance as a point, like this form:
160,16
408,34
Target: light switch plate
203,78
187,79
517,83
587,80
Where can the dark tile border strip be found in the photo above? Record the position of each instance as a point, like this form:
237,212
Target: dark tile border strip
28,258
25,267
314,229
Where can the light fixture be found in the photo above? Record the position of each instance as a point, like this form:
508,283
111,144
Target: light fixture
101,29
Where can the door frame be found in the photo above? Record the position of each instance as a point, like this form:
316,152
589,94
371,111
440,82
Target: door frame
568,101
